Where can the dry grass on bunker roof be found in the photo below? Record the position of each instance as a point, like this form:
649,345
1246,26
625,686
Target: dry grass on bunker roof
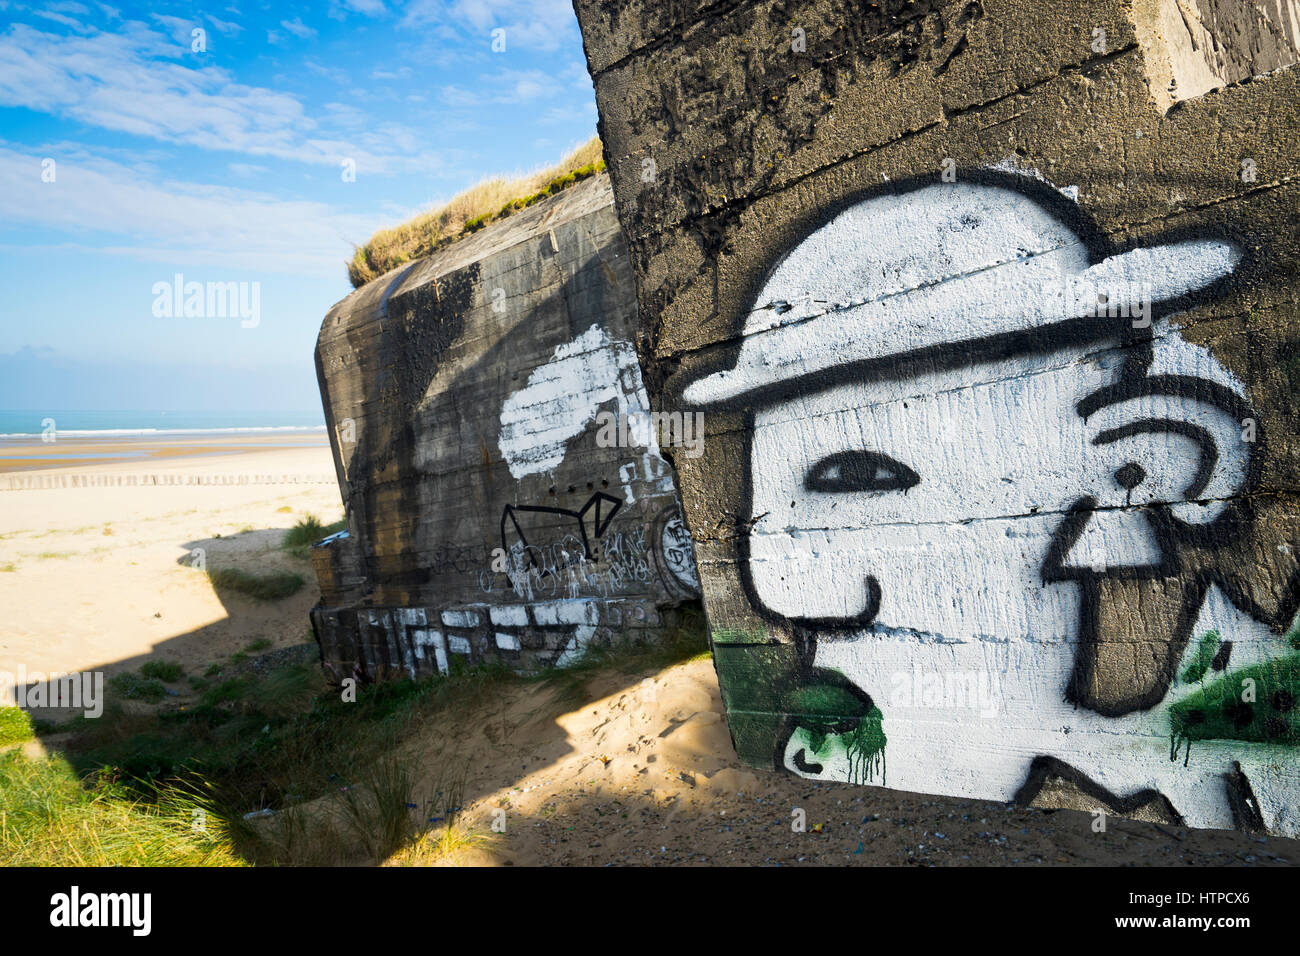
491,199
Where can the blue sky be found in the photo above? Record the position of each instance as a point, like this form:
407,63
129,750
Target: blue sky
226,164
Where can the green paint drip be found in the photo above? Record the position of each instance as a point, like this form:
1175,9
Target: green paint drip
866,748
834,717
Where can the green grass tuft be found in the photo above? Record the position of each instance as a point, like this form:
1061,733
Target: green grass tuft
134,687
299,539
48,818
264,587
166,671
15,726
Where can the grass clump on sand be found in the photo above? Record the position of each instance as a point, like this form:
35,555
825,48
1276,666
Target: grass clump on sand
468,212
299,539
263,587
50,817
166,671
15,726
147,685
133,686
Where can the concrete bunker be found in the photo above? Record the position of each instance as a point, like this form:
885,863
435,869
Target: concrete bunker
489,514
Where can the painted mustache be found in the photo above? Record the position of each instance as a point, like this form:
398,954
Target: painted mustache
855,622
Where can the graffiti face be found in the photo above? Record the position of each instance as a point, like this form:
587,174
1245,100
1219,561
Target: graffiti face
903,487
950,449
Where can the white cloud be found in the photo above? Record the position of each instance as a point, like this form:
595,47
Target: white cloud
298,28
505,88
179,28
329,72
113,208
67,21
347,115
138,81
529,24
369,8
223,26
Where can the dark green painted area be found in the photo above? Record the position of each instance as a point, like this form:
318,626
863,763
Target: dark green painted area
861,741
769,694
827,708
1255,703
1206,648
753,679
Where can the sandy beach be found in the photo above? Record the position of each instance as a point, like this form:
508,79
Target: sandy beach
98,555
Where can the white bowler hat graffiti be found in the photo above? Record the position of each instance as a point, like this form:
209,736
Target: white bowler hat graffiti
940,264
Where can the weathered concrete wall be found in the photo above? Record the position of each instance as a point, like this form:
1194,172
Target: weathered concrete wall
991,307
486,517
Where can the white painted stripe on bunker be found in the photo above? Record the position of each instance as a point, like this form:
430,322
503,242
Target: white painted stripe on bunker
511,615
460,618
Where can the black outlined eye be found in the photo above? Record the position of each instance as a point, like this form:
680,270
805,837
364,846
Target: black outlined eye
848,471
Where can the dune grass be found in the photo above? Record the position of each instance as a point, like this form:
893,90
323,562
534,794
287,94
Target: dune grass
169,672
50,817
263,587
286,744
299,539
492,199
131,686
15,726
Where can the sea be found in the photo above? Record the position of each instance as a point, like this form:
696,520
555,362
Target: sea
20,424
